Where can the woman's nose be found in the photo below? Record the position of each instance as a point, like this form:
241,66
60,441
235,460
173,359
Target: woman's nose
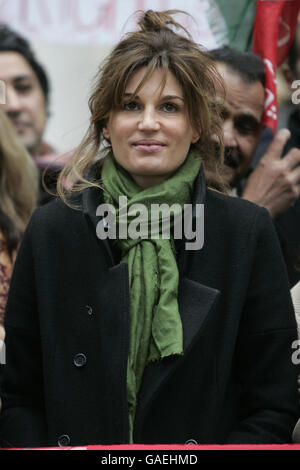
149,120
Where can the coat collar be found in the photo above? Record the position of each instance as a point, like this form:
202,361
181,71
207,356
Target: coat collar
91,199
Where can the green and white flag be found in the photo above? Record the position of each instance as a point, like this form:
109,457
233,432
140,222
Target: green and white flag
231,22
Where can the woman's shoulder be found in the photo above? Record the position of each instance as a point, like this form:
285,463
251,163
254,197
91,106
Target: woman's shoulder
55,217
58,209
233,204
234,212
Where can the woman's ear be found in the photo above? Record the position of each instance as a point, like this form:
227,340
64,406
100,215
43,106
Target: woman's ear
195,137
105,132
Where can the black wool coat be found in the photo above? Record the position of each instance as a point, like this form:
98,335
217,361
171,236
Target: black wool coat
67,336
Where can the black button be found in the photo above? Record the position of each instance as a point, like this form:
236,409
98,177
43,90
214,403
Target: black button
80,360
64,440
191,442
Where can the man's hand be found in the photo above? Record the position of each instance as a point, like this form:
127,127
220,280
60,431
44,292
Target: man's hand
275,182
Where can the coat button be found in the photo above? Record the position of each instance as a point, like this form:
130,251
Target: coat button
80,360
64,440
191,442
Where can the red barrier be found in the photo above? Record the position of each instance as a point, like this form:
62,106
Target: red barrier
189,447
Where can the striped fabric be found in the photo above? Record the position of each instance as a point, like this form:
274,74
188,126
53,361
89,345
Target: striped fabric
5,274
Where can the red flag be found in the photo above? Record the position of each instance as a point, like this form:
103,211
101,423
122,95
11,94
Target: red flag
274,29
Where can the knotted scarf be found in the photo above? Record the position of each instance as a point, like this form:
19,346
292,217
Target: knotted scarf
155,323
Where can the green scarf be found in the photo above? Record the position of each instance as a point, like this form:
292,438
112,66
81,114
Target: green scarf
155,323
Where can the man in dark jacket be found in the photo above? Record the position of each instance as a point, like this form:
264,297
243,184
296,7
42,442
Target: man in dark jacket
270,182
290,220
291,71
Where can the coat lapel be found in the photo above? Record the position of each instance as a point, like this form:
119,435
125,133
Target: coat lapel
91,199
195,302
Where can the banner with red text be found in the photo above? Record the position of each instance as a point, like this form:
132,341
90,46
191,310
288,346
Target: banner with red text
97,22
275,24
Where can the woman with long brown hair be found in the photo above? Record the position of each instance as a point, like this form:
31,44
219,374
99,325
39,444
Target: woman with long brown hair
152,307
18,195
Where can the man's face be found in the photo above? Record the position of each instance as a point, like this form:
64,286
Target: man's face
25,101
242,113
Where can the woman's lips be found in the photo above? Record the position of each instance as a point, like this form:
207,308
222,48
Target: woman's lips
148,147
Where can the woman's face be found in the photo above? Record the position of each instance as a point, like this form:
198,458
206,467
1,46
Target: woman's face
151,135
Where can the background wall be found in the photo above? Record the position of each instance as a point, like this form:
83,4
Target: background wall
72,69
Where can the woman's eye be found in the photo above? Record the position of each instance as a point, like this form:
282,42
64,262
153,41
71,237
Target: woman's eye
131,106
170,107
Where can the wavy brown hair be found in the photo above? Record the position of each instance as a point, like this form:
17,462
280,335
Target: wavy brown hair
18,184
157,44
